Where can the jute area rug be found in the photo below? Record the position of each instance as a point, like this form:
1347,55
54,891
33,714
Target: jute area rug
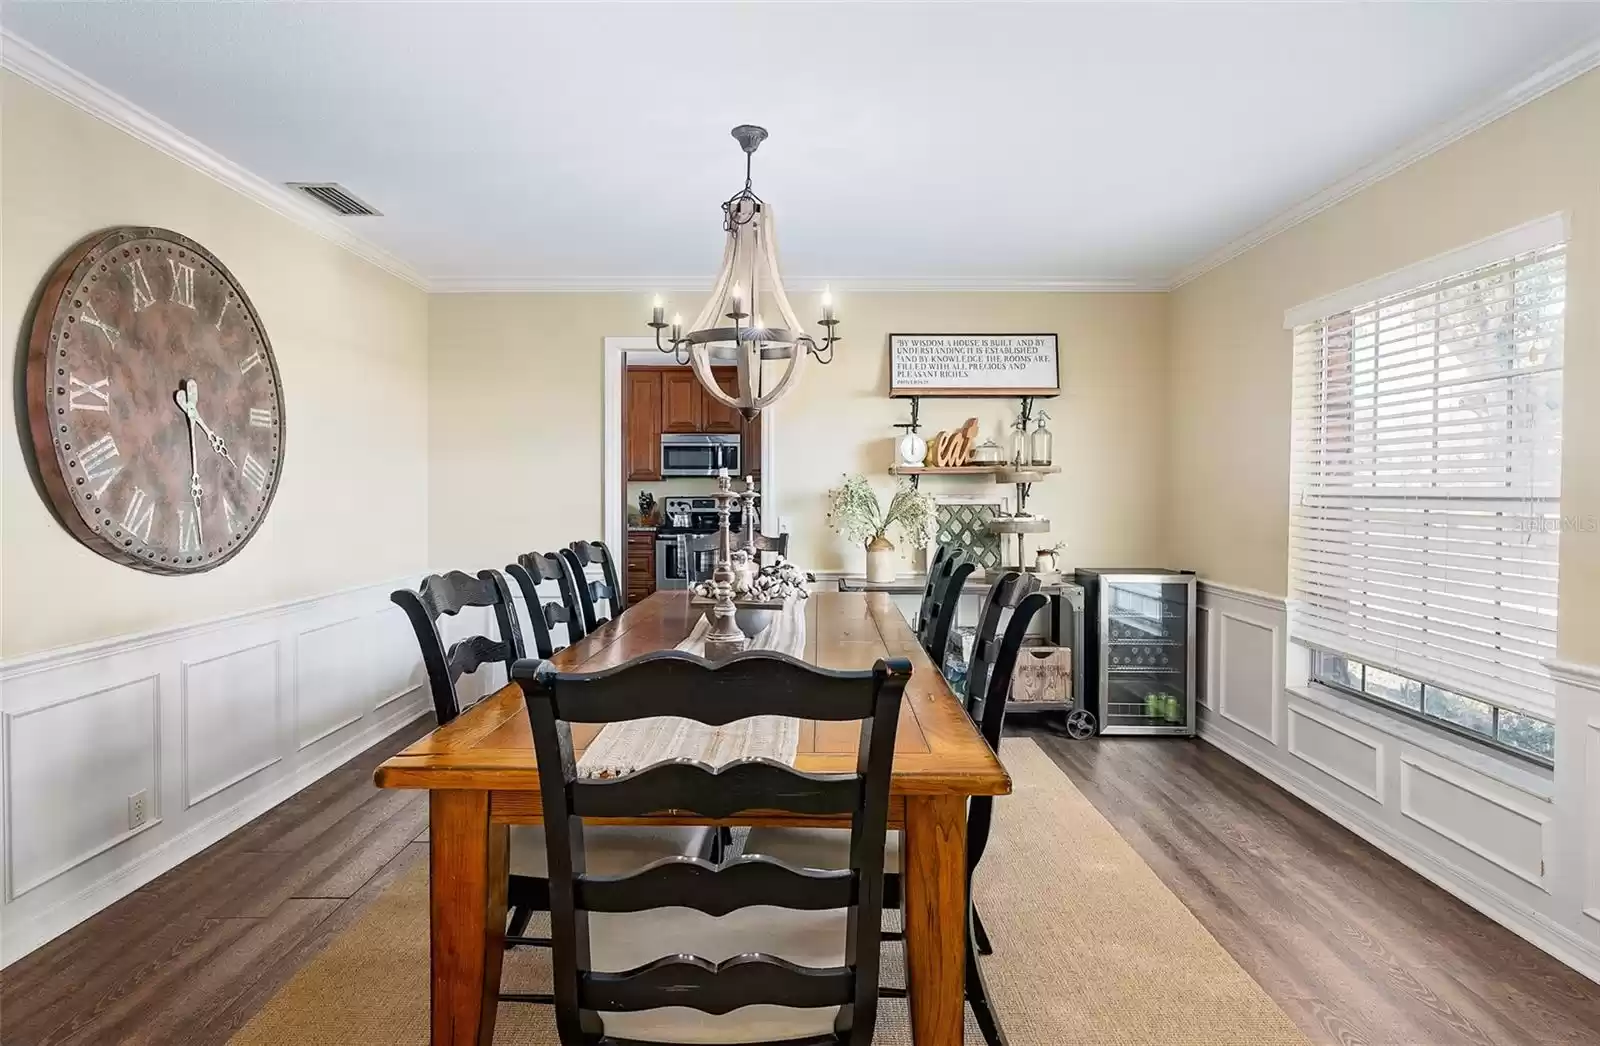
1091,948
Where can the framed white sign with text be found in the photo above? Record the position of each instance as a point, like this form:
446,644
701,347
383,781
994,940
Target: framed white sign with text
974,365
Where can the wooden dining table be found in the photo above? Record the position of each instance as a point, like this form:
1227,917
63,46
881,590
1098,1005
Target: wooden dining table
481,776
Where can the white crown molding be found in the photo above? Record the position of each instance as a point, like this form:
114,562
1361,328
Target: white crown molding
45,71
866,285
1545,80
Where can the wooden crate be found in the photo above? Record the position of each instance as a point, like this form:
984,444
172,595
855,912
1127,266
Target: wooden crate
1044,673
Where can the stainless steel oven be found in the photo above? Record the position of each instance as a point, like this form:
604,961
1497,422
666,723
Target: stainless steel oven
676,566
699,454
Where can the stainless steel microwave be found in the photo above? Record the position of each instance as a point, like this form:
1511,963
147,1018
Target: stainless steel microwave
699,454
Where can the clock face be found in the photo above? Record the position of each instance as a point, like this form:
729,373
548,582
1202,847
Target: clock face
154,402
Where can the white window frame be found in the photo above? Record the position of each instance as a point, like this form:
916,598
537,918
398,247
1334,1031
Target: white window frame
1311,621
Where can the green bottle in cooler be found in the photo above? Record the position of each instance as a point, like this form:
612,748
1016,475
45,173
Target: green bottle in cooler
1155,707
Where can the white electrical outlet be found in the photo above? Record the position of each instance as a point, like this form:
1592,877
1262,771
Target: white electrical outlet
138,809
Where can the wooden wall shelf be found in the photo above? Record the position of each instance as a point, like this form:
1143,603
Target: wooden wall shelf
951,470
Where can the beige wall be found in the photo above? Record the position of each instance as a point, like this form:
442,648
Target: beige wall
1230,356
351,342
537,450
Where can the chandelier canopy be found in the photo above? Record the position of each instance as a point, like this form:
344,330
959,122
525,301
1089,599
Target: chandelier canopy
747,320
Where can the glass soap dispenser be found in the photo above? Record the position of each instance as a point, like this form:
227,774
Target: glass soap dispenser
1042,443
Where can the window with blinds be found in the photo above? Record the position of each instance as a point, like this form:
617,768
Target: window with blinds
1426,471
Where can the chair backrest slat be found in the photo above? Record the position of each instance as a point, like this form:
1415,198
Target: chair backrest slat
530,571
717,987
681,684
688,882
763,543
441,595
720,792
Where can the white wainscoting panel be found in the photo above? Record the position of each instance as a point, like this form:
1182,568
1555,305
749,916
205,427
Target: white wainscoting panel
1348,756
216,722
332,680
1591,886
1248,667
112,733
1520,844
399,666
1464,809
1205,683
232,722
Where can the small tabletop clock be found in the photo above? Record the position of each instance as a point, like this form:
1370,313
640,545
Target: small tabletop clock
153,402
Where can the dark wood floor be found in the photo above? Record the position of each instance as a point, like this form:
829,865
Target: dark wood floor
1356,948
1353,945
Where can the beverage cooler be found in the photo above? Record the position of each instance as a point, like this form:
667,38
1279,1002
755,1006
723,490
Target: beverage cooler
1139,652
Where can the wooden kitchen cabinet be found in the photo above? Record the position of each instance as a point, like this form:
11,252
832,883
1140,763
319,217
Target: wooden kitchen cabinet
641,571
642,417
682,402
718,416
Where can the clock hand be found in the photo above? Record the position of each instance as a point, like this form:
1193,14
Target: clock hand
191,407
195,490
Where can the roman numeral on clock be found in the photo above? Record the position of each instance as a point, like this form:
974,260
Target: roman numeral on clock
255,473
143,297
101,461
223,311
261,417
182,282
88,395
140,514
188,531
93,319
250,363
230,515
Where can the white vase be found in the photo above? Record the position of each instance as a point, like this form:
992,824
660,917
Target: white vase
881,564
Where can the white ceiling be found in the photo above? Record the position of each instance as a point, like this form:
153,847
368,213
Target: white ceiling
587,144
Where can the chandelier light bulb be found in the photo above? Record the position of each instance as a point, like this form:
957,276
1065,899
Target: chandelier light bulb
827,304
656,308
738,297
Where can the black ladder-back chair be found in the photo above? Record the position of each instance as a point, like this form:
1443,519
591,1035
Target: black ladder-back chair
530,571
988,687
527,891
449,594
436,596
934,635
581,554
989,675
675,683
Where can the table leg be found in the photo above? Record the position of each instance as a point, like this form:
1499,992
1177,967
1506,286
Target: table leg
935,901
467,915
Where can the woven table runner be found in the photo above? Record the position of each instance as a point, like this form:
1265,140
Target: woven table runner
622,748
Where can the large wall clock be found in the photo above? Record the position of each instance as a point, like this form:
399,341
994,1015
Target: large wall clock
154,402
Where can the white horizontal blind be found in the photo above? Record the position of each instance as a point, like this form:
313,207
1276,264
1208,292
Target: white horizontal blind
1425,510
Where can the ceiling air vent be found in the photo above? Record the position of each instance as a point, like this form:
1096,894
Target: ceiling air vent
335,197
